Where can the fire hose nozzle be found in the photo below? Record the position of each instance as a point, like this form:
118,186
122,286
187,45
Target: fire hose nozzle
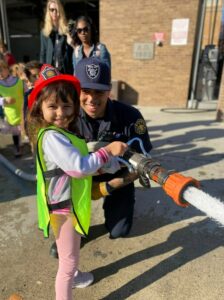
176,184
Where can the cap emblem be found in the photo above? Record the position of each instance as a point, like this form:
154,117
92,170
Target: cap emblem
92,71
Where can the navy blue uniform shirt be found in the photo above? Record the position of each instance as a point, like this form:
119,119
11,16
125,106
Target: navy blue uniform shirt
120,123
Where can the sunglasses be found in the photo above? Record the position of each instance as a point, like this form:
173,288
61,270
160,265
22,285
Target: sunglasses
53,9
84,30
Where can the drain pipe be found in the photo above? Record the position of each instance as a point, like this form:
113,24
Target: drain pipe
193,103
16,171
4,24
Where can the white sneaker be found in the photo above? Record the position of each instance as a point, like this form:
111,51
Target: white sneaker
82,279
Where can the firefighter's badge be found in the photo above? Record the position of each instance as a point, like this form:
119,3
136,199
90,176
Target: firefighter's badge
140,126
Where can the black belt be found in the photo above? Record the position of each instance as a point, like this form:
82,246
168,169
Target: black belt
53,173
60,205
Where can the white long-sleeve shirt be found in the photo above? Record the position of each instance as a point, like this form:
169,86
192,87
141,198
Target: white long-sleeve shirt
60,153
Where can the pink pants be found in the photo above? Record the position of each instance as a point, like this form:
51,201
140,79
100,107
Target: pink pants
68,245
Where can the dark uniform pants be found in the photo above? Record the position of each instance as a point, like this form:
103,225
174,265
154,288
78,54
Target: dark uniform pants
119,211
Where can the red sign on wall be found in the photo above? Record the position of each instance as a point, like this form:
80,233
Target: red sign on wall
158,37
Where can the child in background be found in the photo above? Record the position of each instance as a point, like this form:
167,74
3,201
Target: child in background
63,172
11,99
17,70
31,71
6,55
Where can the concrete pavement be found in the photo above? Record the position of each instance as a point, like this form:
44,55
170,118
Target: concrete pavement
171,253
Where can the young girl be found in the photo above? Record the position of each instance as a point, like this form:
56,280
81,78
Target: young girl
11,99
31,72
63,172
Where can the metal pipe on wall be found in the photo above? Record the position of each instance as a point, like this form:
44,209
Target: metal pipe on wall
210,22
4,24
193,103
214,21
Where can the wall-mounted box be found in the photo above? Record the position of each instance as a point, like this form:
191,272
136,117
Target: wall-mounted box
143,50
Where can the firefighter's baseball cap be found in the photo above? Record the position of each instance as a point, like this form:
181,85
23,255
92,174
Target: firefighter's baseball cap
93,74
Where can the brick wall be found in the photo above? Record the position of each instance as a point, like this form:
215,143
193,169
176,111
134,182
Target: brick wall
164,80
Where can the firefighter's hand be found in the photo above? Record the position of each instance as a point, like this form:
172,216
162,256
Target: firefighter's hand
144,181
100,189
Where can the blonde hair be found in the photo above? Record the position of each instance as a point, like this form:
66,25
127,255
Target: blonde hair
62,22
17,70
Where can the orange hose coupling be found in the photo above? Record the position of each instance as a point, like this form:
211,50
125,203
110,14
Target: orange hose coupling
175,185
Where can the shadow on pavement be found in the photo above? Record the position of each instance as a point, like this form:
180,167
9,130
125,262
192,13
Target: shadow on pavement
180,125
155,215
187,239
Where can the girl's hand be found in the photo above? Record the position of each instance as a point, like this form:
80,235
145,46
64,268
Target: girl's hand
116,148
9,100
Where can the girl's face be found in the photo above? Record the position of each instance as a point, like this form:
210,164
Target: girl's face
4,73
58,113
83,32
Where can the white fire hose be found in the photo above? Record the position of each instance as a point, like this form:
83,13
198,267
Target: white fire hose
17,171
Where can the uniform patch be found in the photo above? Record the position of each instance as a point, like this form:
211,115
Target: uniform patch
140,126
92,71
49,72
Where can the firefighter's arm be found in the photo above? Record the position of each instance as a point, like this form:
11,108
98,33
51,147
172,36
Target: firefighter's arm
102,189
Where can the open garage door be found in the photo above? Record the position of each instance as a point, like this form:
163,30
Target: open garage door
208,58
24,19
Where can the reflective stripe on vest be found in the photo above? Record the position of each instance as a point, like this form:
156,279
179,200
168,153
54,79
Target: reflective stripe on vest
13,112
80,187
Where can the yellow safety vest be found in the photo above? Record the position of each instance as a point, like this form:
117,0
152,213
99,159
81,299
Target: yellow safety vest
13,112
80,187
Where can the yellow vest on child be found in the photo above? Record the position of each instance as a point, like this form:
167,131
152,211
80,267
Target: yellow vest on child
13,112
80,187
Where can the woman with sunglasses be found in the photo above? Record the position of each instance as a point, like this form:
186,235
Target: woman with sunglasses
86,43
54,49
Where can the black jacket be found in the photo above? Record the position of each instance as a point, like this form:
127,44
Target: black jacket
47,52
